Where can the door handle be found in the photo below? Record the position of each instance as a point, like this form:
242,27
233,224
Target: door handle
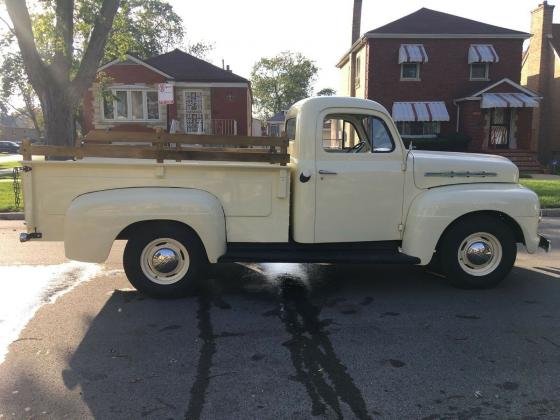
324,172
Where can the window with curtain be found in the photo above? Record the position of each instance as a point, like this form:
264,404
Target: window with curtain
130,105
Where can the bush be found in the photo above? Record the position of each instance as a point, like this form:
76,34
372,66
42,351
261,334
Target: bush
454,142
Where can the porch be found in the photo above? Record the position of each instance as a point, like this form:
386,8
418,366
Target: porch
499,121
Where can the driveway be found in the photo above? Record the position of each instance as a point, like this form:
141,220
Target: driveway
293,341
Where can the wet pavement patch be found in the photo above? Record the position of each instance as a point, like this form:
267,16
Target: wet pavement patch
318,368
467,316
396,363
170,328
384,314
508,386
366,301
207,351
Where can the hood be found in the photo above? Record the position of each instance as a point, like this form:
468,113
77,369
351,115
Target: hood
433,169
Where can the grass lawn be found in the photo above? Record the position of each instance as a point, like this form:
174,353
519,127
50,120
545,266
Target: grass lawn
7,197
548,191
9,164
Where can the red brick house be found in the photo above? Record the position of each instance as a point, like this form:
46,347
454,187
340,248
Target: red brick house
440,74
540,72
206,98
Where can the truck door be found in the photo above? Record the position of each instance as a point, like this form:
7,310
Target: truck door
359,187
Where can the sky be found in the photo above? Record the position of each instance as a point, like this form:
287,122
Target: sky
243,31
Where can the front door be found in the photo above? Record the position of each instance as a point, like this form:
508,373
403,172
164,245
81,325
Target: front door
359,188
499,128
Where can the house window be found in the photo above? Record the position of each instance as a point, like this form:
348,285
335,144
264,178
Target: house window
194,116
479,71
419,129
130,105
410,71
122,105
152,105
357,71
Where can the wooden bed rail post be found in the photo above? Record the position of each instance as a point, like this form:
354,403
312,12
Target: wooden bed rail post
159,145
26,149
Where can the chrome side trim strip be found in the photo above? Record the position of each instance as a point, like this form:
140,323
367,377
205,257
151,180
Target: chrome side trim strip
467,174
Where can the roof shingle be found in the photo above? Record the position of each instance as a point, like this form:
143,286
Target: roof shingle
427,21
187,68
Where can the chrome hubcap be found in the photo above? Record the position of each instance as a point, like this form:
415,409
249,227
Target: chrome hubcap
480,253
164,261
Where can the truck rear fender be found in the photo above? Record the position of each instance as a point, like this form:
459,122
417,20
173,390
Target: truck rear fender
94,220
434,210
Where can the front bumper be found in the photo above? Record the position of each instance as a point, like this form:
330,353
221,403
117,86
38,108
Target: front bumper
544,243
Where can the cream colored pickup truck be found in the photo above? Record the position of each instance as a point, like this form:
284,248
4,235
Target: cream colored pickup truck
351,193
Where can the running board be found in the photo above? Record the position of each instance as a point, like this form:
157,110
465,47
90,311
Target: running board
297,253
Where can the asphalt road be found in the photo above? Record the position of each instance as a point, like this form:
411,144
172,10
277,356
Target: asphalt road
282,341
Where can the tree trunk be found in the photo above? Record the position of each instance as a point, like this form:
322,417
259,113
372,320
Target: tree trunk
58,113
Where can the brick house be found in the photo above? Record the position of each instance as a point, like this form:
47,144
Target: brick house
206,98
540,72
444,76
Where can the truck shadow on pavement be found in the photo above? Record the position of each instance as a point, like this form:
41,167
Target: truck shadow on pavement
146,358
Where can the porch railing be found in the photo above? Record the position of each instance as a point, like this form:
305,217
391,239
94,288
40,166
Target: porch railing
223,127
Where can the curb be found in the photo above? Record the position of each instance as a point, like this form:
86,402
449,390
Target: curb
550,212
12,216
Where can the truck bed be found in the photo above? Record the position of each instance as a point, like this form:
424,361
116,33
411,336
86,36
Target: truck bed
255,196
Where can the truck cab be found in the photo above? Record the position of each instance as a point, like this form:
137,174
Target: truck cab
347,176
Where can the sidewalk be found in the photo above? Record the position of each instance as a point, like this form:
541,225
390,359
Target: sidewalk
545,176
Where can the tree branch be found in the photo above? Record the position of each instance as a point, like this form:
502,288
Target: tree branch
17,10
95,48
8,25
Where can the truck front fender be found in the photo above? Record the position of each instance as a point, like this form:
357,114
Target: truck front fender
94,220
433,210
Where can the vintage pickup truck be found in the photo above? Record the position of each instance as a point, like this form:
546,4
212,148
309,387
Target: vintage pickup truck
351,193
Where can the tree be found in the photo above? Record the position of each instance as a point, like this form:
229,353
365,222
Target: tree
143,28
278,82
326,92
58,87
14,84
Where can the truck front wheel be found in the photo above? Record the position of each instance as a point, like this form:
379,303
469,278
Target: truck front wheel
164,260
478,252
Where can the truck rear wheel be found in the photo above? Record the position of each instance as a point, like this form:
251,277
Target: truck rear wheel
478,252
164,260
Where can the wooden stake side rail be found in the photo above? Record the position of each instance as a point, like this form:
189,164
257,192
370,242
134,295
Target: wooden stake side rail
162,146
101,136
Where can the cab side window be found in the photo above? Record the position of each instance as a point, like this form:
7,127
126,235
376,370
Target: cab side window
344,134
379,134
352,133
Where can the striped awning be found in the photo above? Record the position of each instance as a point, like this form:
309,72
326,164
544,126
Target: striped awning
412,53
508,100
483,54
420,111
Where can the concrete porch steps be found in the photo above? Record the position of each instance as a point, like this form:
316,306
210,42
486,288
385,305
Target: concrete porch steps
525,160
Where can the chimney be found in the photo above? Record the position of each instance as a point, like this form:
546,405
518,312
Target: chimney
227,68
541,32
537,68
356,20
